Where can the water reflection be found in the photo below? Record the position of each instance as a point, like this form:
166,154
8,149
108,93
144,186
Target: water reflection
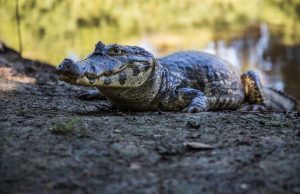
277,65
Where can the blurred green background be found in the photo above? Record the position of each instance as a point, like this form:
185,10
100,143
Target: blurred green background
257,34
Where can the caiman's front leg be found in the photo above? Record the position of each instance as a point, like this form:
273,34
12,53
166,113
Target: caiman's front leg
90,95
188,100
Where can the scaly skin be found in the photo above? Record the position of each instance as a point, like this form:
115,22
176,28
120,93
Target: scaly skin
196,81
133,79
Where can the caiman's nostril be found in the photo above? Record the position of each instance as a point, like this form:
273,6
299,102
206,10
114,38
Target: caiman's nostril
68,60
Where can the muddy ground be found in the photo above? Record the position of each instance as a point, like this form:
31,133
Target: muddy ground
52,142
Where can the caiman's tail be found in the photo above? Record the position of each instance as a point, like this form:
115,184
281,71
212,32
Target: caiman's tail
278,101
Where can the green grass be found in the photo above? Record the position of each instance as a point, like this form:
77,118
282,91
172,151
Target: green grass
63,128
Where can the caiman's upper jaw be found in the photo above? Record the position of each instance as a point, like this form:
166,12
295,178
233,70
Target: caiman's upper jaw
81,74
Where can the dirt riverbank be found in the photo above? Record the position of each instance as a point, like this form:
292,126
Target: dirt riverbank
52,142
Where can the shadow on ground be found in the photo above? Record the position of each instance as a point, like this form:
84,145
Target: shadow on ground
52,142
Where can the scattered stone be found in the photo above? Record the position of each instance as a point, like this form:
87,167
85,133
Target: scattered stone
198,145
135,166
193,124
244,186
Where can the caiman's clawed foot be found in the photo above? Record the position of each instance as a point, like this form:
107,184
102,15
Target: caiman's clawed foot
192,109
90,95
253,108
193,100
253,88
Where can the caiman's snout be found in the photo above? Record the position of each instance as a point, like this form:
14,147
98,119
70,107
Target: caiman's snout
69,68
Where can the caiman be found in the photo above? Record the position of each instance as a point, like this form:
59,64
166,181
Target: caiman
131,78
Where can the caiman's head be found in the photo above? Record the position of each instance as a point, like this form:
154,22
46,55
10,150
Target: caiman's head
109,66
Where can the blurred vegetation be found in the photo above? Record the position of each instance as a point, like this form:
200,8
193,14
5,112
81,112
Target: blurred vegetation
51,29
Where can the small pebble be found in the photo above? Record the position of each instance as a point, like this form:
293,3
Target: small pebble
135,166
244,186
198,145
193,124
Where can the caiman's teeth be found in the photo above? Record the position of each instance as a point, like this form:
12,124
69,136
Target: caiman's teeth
92,81
77,80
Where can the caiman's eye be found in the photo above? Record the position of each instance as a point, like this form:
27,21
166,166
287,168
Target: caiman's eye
115,50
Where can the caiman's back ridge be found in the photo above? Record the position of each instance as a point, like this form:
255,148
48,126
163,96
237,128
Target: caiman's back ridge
133,79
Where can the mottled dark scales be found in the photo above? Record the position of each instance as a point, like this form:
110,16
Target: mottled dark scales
131,78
